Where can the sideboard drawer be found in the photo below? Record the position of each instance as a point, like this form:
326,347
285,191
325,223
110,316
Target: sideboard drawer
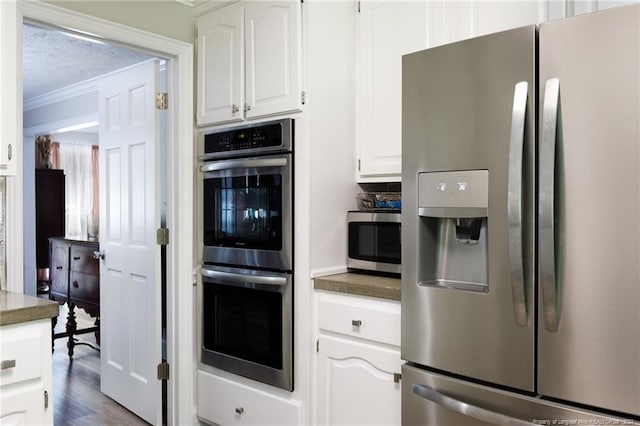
85,287
82,260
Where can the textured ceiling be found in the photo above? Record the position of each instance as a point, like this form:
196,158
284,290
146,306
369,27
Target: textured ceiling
53,60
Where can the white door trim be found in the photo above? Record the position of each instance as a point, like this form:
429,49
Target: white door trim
180,268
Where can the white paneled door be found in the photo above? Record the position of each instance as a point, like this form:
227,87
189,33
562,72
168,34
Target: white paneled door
130,296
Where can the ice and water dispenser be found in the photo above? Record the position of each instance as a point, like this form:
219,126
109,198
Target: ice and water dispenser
453,210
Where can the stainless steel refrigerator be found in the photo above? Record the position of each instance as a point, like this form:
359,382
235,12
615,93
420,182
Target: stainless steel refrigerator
521,226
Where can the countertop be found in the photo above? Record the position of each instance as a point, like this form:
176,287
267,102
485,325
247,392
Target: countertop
16,308
360,284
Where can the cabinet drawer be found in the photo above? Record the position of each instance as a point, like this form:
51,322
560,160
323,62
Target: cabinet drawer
20,353
226,402
82,260
85,287
372,319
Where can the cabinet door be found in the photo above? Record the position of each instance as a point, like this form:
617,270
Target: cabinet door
220,41
8,87
273,58
356,383
386,31
23,405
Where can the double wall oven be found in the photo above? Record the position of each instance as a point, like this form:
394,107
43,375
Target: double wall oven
247,251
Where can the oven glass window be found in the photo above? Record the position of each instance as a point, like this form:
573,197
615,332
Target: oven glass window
245,323
243,212
375,242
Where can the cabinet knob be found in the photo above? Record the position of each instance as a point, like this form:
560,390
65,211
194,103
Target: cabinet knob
239,410
75,284
247,107
7,364
234,108
356,323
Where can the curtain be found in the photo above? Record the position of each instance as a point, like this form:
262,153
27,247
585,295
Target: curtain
77,162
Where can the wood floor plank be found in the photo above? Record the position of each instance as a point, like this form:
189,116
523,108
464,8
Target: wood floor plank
77,399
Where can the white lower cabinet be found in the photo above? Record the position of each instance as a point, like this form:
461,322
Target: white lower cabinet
359,361
25,374
226,402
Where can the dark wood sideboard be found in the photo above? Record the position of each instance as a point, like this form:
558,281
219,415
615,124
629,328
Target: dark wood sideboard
75,279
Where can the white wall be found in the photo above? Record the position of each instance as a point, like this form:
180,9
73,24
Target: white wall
166,17
330,86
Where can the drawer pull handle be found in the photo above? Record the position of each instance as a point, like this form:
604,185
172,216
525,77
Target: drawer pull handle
239,410
75,284
59,268
356,323
7,364
76,257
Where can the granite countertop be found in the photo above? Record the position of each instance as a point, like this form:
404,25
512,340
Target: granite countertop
16,308
360,284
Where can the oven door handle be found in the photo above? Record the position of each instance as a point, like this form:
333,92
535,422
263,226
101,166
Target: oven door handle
243,278
243,164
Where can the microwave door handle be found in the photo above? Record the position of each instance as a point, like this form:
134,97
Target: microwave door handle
514,206
466,408
546,219
243,164
243,278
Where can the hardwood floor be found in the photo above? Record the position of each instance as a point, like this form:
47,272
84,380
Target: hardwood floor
77,399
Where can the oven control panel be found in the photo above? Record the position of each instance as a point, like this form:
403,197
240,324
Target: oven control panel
249,139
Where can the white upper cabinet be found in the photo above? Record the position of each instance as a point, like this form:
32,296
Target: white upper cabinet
249,61
385,32
272,56
8,87
388,30
220,65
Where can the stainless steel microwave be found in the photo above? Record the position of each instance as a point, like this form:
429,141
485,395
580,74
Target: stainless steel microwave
374,242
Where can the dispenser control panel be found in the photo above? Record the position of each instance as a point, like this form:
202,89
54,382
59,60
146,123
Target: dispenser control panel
453,194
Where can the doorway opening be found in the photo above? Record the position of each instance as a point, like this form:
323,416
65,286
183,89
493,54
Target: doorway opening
61,105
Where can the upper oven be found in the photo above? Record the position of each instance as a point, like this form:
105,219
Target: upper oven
247,198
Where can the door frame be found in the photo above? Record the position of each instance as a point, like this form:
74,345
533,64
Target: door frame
179,169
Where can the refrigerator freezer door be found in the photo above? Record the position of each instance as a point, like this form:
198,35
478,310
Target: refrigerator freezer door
589,227
434,399
457,115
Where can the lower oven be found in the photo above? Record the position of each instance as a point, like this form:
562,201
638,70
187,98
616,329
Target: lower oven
247,323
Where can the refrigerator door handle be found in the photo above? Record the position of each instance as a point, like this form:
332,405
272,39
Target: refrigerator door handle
546,248
514,202
465,408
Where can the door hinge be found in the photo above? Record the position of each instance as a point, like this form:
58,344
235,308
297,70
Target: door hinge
358,164
397,377
162,100
318,345
162,236
9,151
303,97
358,7
163,371
46,400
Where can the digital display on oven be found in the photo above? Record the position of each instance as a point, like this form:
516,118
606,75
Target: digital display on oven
242,139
